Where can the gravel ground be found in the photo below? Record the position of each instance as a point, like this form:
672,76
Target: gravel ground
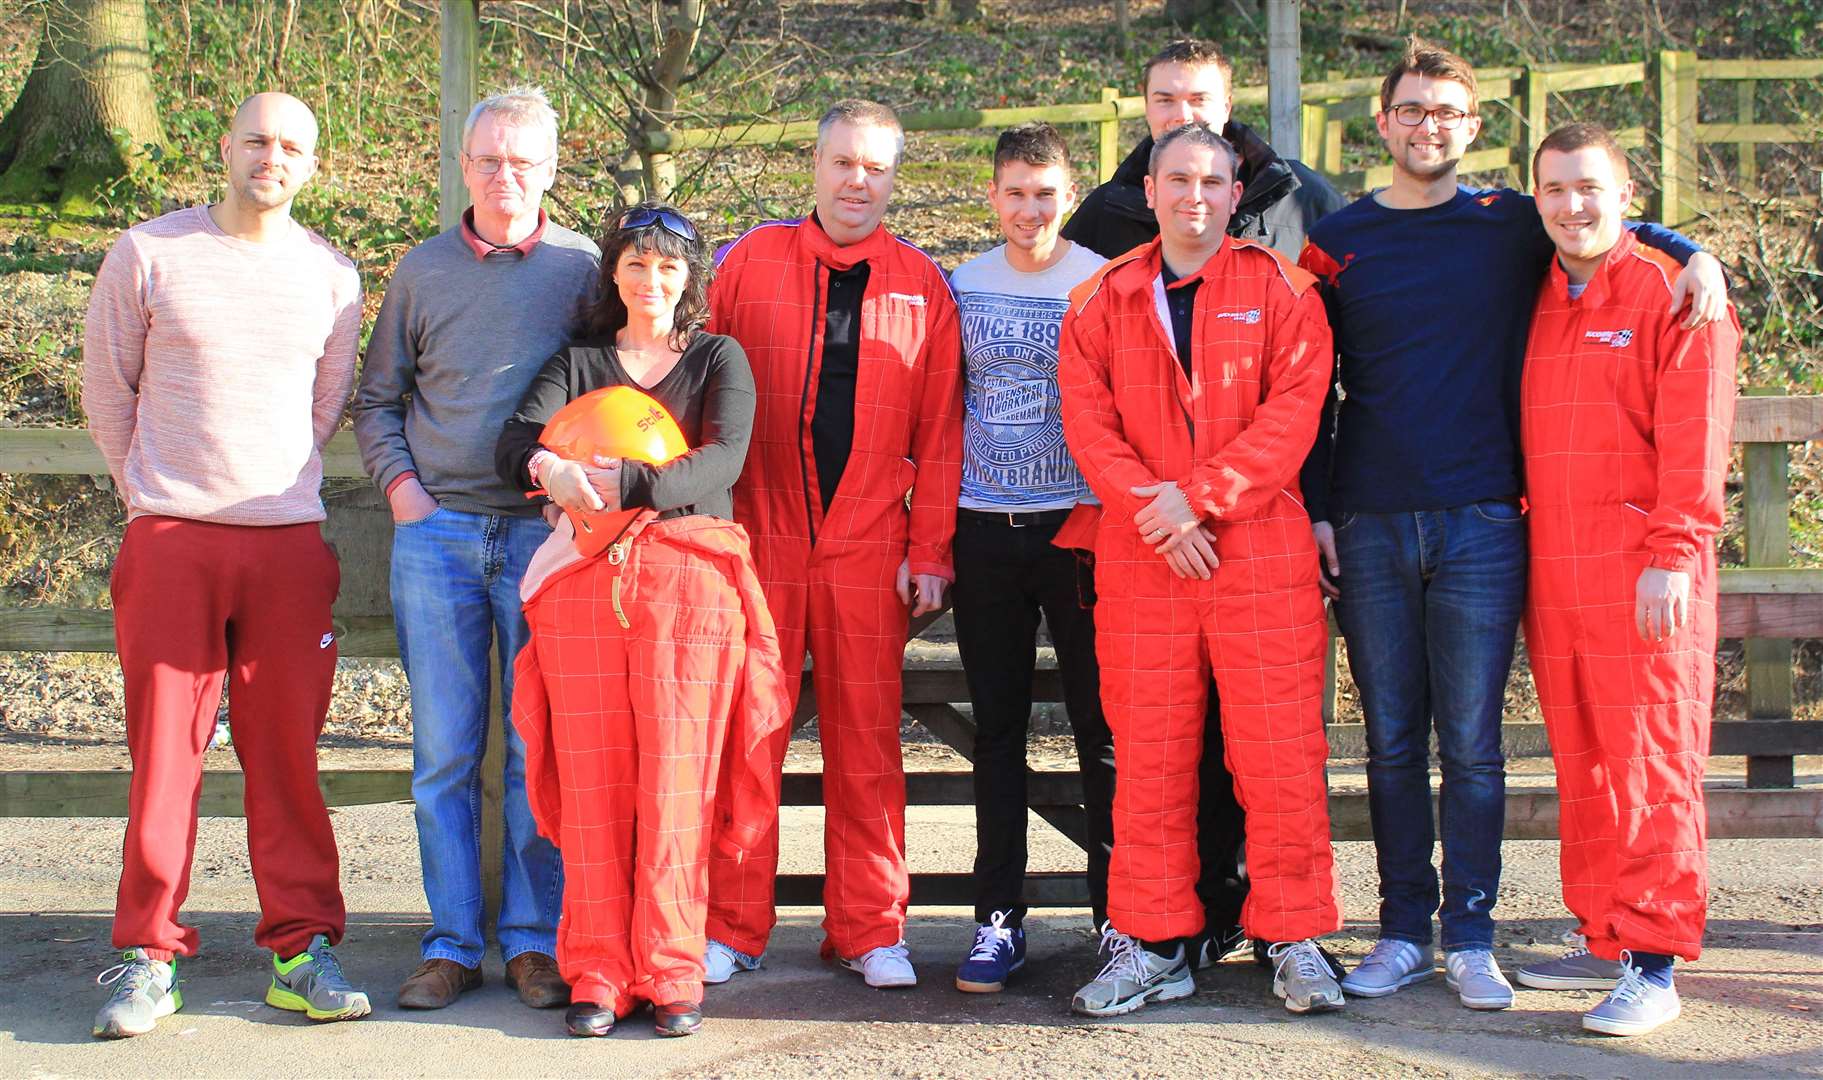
1752,1005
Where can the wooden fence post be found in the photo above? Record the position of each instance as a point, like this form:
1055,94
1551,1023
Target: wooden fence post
1767,518
1676,131
461,38
1536,89
1747,162
1108,147
1284,90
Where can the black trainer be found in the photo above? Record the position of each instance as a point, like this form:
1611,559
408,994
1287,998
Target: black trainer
588,1019
677,1018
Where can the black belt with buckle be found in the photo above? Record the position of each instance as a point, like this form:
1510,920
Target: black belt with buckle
1034,519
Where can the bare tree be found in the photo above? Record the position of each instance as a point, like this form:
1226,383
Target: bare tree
87,111
651,53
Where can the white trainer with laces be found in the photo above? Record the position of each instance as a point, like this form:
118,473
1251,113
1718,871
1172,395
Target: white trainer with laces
1635,1006
1132,977
1303,978
885,968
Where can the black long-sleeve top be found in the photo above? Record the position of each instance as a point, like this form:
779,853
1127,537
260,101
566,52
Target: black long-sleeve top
709,393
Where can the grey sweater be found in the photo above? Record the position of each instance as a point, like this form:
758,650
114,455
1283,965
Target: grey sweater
458,341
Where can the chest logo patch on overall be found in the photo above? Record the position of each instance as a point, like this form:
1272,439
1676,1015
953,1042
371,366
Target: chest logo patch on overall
1614,339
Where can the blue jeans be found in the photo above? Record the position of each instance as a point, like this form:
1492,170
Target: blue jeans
1431,602
455,591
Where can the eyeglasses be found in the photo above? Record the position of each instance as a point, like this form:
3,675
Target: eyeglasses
669,220
488,166
1447,119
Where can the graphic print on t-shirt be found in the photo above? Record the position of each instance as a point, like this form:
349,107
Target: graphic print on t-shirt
1012,431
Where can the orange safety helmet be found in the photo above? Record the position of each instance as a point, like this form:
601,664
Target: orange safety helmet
613,422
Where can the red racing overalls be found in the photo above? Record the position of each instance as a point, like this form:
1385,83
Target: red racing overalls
1232,435
1625,425
829,577
649,697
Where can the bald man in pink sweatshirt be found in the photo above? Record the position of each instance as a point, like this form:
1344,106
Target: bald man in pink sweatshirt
218,356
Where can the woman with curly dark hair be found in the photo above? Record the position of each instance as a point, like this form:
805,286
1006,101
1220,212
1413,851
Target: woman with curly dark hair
651,686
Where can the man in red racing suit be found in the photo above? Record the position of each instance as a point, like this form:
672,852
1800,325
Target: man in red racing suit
1192,372
1625,426
855,347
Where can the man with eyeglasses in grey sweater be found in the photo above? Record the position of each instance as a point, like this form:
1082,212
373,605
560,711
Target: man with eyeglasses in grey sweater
469,318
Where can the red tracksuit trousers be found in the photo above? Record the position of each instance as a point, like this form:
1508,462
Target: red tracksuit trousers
840,605
639,711
194,602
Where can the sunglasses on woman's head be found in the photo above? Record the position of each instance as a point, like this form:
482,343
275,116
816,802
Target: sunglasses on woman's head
670,221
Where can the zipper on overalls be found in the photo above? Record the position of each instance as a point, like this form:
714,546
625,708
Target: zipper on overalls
617,556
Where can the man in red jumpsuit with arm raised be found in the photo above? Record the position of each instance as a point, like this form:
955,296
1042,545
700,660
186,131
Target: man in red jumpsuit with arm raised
1192,373
1625,425
855,346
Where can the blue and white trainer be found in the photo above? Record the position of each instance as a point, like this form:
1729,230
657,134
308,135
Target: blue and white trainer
1635,1006
1391,965
1577,969
722,962
999,950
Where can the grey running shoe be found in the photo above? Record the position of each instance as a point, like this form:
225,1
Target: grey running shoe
1579,969
1302,977
1477,980
1392,963
144,990
1634,1006
1132,977
312,983
722,962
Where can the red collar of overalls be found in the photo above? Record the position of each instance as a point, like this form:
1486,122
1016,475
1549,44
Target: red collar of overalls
837,257
1600,285
1148,264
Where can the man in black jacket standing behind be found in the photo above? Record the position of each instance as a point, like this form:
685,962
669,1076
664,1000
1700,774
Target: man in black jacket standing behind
1190,80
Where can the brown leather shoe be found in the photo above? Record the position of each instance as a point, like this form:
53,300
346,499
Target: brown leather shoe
437,983
535,976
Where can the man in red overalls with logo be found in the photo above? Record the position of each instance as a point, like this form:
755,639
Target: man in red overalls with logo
855,346
1192,371
1625,426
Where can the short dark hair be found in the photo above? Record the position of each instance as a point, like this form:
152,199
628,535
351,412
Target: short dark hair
606,314
1573,137
1196,134
859,112
1190,52
1432,61
1035,143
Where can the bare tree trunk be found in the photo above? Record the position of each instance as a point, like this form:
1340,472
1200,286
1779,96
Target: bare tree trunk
682,30
1123,26
91,78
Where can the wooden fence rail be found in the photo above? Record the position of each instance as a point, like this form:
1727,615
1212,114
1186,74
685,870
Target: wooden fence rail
1766,603
1530,96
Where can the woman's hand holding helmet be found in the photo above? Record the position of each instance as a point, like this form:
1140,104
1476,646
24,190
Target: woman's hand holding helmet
575,486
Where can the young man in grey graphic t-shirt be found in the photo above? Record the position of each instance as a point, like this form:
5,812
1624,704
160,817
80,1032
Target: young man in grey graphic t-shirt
1019,483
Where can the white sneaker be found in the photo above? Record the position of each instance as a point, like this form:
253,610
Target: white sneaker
722,962
1303,978
1477,979
1133,977
884,968
1392,964
1634,1006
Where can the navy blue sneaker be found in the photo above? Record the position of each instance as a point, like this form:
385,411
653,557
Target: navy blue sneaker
998,952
